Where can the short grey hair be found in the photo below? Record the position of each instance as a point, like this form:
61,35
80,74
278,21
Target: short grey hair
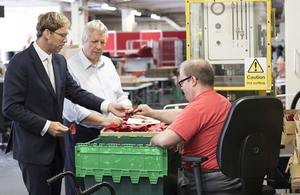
94,25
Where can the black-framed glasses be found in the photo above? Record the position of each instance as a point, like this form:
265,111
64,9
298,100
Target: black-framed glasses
63,36
181,81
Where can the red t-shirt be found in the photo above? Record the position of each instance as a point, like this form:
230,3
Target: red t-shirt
200,124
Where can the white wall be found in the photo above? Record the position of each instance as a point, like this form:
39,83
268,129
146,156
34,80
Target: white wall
292,50
18,26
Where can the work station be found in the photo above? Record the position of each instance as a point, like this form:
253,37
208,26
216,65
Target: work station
211,90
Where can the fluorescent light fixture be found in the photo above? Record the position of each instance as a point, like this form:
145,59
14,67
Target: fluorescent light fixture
155,17
136,13
107,7
69,1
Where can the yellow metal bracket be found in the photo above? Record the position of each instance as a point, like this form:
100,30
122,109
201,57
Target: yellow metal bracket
274,32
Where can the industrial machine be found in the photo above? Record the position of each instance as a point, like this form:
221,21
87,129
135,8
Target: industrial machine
235,37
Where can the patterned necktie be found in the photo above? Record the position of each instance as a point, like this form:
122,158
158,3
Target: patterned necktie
50,72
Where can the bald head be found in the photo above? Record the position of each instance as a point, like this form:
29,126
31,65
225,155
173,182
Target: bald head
280,65
201,69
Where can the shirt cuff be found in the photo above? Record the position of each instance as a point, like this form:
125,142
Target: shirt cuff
82,115
45,129
104,105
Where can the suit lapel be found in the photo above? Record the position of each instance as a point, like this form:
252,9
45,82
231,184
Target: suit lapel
37,63
57,75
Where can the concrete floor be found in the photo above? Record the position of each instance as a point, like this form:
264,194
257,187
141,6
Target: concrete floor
11,182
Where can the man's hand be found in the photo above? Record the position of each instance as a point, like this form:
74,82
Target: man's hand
115,120
118,109
144,110
56,129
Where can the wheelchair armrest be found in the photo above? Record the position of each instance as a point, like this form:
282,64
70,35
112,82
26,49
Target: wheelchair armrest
194,159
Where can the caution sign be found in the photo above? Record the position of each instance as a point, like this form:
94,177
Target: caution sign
255,72
255,67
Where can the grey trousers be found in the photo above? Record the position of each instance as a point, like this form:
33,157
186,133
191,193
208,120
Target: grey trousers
211,181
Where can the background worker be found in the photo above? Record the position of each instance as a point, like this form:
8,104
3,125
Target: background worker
197,126
96,74
36,82
280,79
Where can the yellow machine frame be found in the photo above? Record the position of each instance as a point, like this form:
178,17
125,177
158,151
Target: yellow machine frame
271,32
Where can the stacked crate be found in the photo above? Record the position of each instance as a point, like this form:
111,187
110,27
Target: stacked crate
129,164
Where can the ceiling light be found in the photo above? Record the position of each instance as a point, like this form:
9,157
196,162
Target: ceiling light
107,7
155,17
136,13
69,1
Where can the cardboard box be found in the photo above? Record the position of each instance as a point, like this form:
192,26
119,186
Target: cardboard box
296,144
297,121
69,51
289,128
129,81
167,71
294,167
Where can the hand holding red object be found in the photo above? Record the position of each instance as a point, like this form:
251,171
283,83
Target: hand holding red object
72,128
131,112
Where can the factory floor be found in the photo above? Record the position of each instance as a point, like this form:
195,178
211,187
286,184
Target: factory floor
11,182
10,177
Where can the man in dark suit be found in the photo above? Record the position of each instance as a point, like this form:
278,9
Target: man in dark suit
34,91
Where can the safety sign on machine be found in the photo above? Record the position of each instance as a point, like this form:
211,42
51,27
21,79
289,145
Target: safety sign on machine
255,72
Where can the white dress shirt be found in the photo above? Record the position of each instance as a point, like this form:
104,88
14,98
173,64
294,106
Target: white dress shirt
101,80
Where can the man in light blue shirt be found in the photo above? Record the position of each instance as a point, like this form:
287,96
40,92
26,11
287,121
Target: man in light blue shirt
96,74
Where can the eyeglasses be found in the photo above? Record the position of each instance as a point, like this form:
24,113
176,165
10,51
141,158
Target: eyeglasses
181,81
63,36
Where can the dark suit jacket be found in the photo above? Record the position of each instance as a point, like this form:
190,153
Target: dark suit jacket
29,100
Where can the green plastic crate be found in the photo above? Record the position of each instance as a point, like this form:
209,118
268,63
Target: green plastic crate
134,158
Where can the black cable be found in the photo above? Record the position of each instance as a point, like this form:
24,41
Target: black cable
281,174
295,100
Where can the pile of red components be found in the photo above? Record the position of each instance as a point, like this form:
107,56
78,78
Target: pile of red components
291,117
145,52
135,128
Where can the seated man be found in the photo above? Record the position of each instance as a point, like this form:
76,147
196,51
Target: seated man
197,126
